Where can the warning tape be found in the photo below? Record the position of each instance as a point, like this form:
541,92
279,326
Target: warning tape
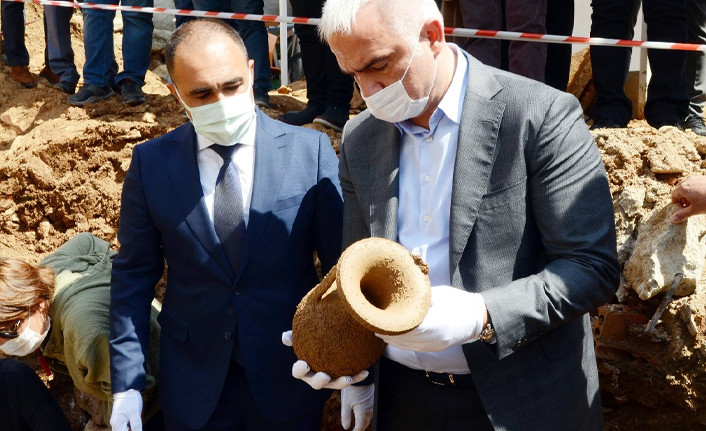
450,31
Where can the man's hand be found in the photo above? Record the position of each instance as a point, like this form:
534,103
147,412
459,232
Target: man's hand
454,318
127,407
359,400
302,371
691,195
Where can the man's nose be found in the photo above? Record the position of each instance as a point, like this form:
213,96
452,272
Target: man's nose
369,87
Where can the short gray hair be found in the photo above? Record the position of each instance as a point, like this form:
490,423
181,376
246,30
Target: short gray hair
405,16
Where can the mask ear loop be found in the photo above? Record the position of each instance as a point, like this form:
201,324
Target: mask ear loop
414,52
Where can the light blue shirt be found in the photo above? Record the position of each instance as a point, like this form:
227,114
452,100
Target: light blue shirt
427,159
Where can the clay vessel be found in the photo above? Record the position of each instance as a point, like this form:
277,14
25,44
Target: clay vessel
377,286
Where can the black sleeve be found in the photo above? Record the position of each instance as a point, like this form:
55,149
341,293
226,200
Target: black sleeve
27,403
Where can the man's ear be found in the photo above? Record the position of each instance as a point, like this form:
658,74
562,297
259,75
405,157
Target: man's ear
434,32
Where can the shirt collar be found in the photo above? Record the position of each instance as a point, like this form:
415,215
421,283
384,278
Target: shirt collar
451,104
248,139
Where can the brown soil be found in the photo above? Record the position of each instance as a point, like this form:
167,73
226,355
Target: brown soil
61,170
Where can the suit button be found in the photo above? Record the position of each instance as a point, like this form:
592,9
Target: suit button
236,291
228,335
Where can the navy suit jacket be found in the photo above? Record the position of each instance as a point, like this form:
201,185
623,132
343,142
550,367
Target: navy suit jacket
296,209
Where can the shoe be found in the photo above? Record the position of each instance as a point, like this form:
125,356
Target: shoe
263,101
50,76
333,117
66,87
21,74
695,123
299,118
606,123
91,94
131,94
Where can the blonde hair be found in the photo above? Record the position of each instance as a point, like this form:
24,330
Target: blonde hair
405,17
22,287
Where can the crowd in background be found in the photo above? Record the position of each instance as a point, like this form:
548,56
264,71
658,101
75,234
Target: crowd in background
675,97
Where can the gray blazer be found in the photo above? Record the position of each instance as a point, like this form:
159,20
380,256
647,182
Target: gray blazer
531,229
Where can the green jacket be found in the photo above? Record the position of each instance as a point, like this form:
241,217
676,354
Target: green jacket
80,327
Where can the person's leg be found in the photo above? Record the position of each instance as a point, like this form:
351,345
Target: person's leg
408,401
137,48
236,411
98,45
12,19
695,64
100,67
612,19
60,54
14,49
254,35
527,58
483,15
183,4
667,101
560,20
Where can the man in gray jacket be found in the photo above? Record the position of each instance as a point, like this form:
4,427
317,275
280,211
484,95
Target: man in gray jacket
495,181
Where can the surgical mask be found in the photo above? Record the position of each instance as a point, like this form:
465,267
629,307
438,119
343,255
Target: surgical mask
393,104
27,342
224,122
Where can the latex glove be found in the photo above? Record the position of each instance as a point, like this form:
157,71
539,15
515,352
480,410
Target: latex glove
454,318
359,400
319,380
127,407
690,194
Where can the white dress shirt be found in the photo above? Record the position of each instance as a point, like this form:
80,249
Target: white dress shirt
427,160
210,163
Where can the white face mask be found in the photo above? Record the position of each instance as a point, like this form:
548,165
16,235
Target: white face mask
224,122
393,104
27,342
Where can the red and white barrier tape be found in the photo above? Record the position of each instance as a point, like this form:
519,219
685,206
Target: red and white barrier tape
450,31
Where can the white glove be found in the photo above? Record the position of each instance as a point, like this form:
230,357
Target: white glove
454,318
358,399
127,407
320,380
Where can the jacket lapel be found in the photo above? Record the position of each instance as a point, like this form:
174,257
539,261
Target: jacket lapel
272,147
183,171
385,167
478,135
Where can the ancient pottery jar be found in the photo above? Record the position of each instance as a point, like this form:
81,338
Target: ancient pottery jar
377,286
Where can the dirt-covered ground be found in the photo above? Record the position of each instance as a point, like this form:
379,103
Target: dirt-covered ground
61,170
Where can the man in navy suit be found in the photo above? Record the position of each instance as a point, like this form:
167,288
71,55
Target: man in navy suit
229,295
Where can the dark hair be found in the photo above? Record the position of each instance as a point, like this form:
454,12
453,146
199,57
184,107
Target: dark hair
202,30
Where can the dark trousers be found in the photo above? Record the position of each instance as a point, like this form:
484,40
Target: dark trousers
59,55
25,403
13,30
408,401
326,85
667,101
560,20
524,58
695,63
236,411
183,4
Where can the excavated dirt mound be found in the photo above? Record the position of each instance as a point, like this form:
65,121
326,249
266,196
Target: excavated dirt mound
61,170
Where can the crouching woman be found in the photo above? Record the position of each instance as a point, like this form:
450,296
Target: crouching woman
61,307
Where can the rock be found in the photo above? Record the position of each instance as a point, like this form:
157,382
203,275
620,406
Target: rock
663,249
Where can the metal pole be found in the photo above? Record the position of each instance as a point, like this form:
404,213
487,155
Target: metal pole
283,48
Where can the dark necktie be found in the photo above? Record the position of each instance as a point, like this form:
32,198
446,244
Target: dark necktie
228,206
